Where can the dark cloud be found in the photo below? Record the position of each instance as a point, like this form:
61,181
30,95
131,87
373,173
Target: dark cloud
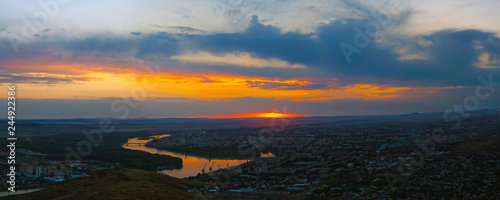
458,49
179,29
285,86
185,30
9,78
451,60
237,12
136,33
158,46
100,44
206,80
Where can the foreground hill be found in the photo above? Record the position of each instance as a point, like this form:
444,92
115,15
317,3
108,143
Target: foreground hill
493,144
118,184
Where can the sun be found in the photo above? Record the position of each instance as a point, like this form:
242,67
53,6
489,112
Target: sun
271,115
258,115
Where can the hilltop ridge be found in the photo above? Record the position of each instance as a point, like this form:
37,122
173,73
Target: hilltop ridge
118,184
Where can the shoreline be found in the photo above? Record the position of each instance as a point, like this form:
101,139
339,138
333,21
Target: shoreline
178,172
200,156
181,152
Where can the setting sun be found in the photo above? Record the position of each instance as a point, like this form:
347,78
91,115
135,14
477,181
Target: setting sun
272,115
258,115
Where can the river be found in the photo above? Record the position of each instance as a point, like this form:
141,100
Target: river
7,193
191,165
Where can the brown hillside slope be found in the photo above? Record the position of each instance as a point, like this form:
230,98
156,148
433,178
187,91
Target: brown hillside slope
118,184
493,144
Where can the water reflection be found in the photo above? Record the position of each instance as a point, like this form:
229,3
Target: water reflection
192,165
267,155
7,193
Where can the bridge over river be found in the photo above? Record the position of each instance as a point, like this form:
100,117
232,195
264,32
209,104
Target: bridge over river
135,144
191,165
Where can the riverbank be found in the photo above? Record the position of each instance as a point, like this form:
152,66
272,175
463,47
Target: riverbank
6,193
212,153
109,150
191,164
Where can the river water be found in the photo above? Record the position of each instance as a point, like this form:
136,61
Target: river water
191,165
7,193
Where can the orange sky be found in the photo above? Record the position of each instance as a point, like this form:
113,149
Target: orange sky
257,115
83,82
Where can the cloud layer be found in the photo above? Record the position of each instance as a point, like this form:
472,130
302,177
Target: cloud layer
361,56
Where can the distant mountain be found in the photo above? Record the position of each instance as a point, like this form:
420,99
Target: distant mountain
119,184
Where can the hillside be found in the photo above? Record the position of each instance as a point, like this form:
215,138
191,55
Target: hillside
118,184
479,146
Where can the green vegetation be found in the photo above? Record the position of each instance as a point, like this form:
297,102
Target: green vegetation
144,138
230,152
109,150
479,146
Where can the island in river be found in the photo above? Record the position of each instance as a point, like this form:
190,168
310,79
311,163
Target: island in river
191,165
208,145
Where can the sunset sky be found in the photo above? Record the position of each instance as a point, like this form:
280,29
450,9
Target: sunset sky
218,58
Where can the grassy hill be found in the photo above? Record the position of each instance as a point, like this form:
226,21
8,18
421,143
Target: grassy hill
109,150
119,184
480,146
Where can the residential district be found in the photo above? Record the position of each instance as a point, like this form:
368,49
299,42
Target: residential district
358,161
379,160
